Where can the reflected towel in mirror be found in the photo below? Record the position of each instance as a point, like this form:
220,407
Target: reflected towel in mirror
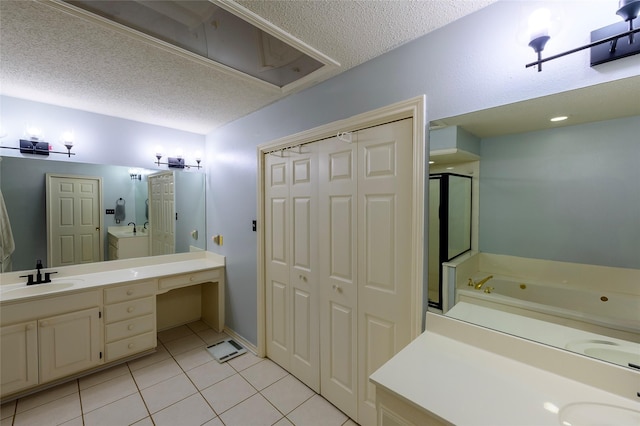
120,212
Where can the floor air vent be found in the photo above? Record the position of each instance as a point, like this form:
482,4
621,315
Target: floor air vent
225,350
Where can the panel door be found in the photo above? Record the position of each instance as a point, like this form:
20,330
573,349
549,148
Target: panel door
338,273
69,343
303,236
18,357
277,258
162,220
384,252
73,220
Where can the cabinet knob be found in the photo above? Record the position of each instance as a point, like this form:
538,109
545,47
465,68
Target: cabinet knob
29,326
129,292
131,345
302,278
337,288
192,278
130,309
130,327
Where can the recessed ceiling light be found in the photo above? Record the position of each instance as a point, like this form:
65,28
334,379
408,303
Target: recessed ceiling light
559,118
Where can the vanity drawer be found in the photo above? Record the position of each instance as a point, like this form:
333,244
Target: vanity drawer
130,327
130,346
190,279
129,309
129,292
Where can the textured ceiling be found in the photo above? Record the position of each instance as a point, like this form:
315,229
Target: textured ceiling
51,56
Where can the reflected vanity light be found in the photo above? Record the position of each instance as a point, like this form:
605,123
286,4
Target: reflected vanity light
558,118
177,162
135,174
604,44
34,143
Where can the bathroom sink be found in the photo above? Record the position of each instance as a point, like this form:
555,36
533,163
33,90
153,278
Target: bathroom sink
30,290
593,413
618,353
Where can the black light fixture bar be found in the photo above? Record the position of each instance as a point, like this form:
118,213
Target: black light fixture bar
177,163
586,46
38,148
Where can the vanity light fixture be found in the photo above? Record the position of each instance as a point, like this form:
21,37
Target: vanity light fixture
36,145
177,162
606,44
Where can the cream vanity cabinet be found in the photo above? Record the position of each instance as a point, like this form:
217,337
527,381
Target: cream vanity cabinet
127,247
130,319
19,346
50,338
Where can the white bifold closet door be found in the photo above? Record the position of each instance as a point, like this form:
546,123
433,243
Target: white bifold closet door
338,262
291,219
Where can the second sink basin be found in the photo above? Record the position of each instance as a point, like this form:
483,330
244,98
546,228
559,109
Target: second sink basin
594,413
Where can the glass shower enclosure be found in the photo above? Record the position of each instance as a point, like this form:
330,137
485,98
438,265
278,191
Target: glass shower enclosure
449,226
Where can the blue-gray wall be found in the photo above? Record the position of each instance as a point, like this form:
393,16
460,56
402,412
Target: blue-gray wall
570,194
475,63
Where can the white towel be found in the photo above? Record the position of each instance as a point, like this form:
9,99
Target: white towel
7,244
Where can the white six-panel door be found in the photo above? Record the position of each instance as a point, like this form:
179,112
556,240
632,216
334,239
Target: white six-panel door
162,219
74,220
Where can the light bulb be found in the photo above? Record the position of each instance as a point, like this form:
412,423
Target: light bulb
179,153
159,151
198,156
67,138
33,132
539,23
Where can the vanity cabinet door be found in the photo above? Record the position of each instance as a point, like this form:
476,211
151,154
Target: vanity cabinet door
19,357
69,343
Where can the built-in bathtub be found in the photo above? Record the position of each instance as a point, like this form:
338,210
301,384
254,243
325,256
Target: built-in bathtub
614,314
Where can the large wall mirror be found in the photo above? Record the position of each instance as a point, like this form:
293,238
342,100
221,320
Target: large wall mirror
562,201
23,185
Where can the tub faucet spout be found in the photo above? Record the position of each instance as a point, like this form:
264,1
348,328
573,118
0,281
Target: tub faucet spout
479,284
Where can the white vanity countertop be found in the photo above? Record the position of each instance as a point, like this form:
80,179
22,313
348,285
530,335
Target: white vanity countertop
466,385
81,277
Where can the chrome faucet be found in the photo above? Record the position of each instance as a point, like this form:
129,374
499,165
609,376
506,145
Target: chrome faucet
479,284
134,226
39,280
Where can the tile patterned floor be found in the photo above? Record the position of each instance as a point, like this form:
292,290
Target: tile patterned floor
179,385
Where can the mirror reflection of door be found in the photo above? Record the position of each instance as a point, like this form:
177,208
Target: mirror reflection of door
162,220
74,222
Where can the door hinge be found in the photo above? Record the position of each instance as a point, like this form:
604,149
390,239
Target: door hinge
176,215
100,355
99,314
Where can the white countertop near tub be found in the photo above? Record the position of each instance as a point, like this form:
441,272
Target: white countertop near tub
81,277
465,385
